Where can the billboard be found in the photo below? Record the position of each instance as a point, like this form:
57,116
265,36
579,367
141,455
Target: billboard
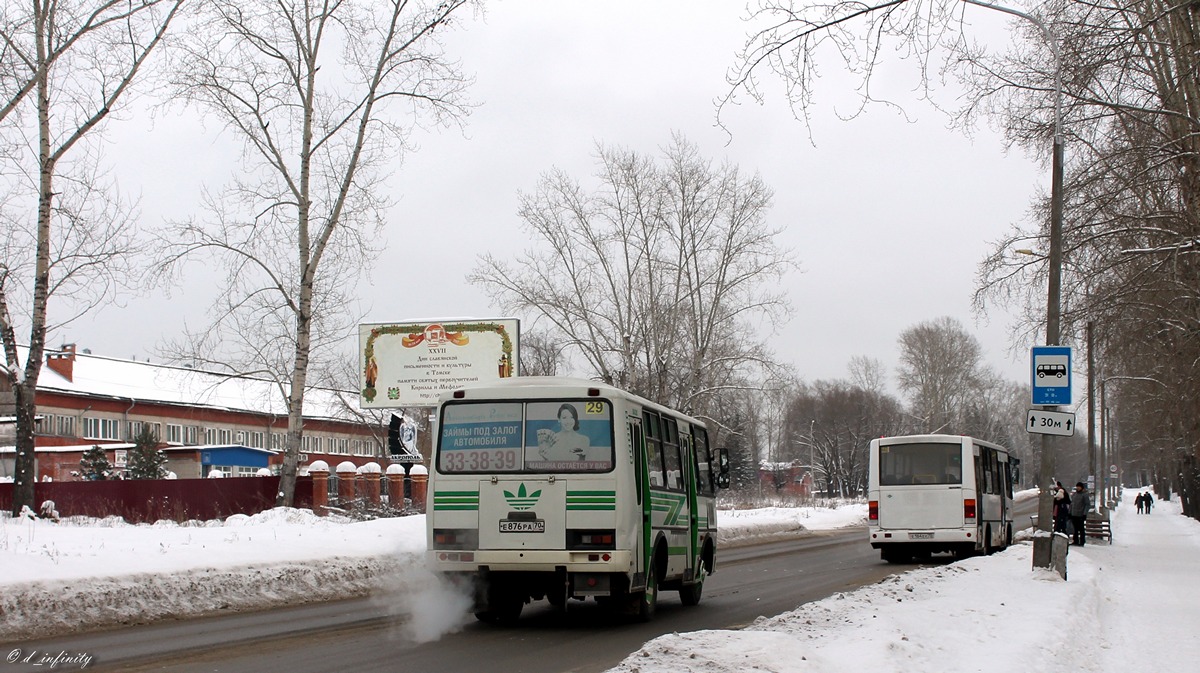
410,364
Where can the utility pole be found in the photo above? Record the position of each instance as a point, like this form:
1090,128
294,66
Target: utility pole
1041,543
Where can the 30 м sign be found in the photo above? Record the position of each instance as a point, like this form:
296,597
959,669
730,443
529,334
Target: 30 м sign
1050,422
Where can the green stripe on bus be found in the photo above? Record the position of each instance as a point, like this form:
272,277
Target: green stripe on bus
676,551
607,500
610,493
596,508
444,508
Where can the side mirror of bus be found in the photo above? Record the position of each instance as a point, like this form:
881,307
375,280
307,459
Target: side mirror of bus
723,468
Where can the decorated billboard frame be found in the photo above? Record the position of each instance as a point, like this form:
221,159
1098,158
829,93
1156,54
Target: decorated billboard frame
410,364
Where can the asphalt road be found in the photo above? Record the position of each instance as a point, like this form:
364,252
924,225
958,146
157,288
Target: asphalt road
364,635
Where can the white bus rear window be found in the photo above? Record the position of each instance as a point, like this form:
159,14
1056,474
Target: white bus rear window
931,463
542,436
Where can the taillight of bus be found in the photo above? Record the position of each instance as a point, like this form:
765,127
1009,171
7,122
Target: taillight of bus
969,508
873,510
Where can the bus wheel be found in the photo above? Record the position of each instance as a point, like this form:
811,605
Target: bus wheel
690,594
988,549
503,606
648,599
895,555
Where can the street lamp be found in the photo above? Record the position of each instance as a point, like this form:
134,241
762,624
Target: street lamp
1041,544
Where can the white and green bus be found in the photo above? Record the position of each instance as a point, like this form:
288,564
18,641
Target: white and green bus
565,489
939,493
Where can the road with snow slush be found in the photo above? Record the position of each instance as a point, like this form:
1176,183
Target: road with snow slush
364,635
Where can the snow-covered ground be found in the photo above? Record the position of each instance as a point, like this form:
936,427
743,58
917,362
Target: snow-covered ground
1132,605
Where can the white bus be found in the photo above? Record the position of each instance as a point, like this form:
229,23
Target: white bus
939,493
568,489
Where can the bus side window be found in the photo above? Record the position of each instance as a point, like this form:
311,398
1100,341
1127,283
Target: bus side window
654,461
671,460
704,466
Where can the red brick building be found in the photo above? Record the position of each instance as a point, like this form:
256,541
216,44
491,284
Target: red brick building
205,421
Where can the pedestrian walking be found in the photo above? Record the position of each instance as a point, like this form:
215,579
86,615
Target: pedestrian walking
1140,502
1147,501
1081,503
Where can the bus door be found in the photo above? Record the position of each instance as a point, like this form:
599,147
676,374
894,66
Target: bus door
687,452
642,490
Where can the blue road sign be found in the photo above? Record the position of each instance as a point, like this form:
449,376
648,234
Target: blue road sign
1050,372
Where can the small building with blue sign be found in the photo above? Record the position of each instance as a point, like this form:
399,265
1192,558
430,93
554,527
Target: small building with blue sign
233,460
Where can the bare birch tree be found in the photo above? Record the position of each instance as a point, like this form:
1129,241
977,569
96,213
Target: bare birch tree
65,67
660,279
323,94
941,370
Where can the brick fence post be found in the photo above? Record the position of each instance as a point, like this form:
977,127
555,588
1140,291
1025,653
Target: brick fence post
320,476
369,475
395,485
420,480
346,473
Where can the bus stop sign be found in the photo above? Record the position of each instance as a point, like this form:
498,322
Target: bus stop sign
1050,372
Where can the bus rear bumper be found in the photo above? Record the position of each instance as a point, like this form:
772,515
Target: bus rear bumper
601,561
943,539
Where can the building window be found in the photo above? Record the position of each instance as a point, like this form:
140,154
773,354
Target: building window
64,426
101,428
210,436
191,434
246,471
174,433
256,440
240,437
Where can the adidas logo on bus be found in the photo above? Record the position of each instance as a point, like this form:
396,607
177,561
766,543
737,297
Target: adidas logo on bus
522,500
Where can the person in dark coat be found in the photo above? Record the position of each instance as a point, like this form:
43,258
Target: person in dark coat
1147,501
1140,502
1081,503
1062,508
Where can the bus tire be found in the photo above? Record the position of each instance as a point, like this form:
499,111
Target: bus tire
895,555
988,549
503,606
689,594
648,599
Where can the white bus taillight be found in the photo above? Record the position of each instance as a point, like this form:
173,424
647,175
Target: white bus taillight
969,508
873,510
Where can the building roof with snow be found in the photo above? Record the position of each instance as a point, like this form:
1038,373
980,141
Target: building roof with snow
80,373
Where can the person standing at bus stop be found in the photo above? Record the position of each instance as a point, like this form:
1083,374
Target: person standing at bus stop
1062,507
1080,504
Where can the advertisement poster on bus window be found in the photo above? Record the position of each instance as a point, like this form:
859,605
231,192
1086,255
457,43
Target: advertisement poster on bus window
481,437
410,364
572,436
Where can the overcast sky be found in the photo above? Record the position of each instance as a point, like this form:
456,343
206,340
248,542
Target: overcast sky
888,218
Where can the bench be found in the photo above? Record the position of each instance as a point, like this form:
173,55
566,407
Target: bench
1097,524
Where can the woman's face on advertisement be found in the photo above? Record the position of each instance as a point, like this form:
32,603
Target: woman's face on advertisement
566,420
